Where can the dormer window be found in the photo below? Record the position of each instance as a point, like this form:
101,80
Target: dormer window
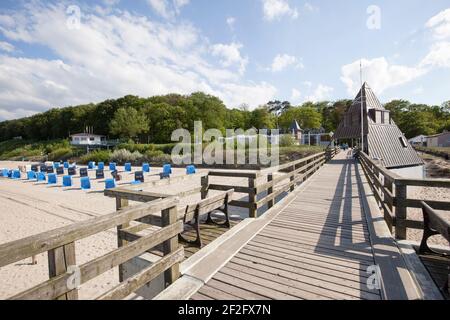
403,142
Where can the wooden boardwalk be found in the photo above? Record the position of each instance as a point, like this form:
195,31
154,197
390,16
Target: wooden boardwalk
319,246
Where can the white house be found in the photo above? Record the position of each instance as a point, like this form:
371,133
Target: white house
418,141
88,139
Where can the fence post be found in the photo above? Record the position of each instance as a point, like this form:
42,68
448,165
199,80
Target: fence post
205,185
120,204
401,193
252,211
59,259
169,217
292,178
387,183
270,191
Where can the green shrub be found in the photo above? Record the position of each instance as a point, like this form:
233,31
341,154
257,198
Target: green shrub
60,154
122,156
133,147
96,156
287,140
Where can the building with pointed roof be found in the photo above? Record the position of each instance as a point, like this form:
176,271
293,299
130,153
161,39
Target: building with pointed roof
383,140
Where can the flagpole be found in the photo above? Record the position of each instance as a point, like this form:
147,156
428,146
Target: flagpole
362,108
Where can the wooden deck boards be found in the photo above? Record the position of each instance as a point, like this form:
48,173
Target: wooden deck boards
318,247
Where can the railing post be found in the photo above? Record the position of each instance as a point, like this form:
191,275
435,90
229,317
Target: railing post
120,204
59,259
387,183
401,193
169,216
270,191
292,178
205,185
252,211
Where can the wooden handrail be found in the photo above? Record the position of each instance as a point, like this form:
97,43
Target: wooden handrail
392,193
23,248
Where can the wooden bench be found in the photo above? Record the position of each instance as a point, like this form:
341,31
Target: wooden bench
434,224
192,213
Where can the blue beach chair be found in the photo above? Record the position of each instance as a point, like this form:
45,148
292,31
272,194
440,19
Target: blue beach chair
40,176
146,167
110,184
56,165
52,179
112,166
66,165
16,175
67,181
31,175
128,167
5,173
167,170
101,166
85,183
91,165
191,170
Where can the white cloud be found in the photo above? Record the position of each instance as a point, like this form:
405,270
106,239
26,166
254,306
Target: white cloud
382,75
295,96
230,55
438,56
275,9
321,93
5,46
440,25
282,61
166,8
379,73
230,22
113,55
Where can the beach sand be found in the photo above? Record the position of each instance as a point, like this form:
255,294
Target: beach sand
29,208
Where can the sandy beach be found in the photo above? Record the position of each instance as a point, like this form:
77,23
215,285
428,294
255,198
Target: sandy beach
29,208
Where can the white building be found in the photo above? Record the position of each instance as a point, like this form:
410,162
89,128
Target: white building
418,141
88,139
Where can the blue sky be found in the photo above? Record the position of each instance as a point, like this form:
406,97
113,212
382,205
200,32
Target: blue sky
244,51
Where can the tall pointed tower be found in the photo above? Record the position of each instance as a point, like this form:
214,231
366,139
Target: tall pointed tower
383,140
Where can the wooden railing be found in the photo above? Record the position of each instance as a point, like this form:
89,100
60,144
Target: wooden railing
65,275
391,192
263,186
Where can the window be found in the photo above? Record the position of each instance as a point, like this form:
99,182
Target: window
403,142
378,116
387,119
92,138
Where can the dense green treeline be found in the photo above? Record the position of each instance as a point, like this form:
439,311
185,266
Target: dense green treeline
152,120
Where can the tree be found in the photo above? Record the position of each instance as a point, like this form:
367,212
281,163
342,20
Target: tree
128,123
261,118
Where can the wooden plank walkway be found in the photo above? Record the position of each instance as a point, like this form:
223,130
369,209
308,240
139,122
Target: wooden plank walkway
317,247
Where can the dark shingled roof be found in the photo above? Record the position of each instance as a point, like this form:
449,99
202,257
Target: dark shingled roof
383,140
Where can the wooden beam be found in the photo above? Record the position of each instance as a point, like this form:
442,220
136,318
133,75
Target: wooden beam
57,286
59,259
34,245
145,276
169,217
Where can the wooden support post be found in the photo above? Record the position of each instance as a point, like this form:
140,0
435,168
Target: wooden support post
252,211
401,193
270,191
169,217
292,178
59,259
120,204
205,186
387,183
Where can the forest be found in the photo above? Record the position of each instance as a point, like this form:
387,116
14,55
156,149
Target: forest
152,120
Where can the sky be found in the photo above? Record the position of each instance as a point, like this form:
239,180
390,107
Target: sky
62,53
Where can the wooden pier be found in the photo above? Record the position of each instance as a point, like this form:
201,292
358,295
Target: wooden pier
327,240
315,231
